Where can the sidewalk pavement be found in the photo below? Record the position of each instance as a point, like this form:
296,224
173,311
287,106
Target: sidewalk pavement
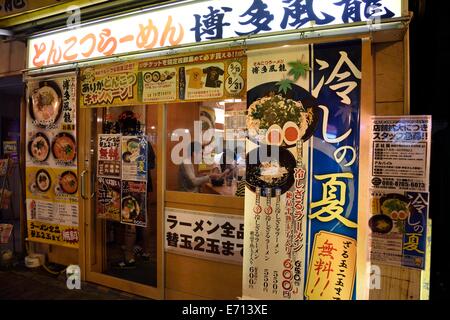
21,283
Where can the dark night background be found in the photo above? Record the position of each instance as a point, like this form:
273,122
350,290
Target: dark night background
430,72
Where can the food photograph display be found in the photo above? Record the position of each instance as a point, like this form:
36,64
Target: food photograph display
51,167
300,196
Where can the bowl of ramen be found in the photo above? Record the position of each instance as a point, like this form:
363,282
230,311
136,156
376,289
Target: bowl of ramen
280,119
64,147
126,157
68,182
395,206
381,223
39,147
45,104
270,167
43,180
130,208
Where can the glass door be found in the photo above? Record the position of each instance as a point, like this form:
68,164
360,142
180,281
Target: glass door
122,197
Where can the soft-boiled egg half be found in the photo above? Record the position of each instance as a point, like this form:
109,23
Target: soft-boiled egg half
274,135
291,133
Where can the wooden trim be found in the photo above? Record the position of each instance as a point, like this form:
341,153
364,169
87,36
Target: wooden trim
203,278
22,171
406,70
93,247
161,179
367,110
81,137
179,295
205,200
196,207
405,9
124,285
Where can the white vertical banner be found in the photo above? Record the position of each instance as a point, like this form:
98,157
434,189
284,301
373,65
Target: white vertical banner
279,123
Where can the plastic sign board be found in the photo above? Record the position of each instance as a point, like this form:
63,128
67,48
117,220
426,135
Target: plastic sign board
199,21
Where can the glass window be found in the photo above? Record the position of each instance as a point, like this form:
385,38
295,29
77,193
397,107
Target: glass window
125,203
206,147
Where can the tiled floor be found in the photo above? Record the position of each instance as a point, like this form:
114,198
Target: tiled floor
20,283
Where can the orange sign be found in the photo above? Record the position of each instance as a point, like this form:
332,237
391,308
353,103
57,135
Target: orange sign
332,267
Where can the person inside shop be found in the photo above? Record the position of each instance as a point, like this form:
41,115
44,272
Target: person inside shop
188,180
132,248
227,165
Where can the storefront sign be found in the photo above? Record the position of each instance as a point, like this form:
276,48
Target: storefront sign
111,85
302,191
218,75
204,235
199,22
400,190
51,167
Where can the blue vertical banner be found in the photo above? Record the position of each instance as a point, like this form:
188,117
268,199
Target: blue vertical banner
301,200
334,166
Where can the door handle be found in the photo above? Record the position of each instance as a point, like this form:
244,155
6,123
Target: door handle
83,186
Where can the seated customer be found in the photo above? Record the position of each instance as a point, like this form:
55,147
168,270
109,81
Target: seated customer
187,179
226,165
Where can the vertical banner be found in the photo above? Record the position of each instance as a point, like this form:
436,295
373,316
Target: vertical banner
302,172
281,117
400,190
51,167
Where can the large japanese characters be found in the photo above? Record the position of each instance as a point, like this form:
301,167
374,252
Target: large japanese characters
204,235
51,169
196,22
302,172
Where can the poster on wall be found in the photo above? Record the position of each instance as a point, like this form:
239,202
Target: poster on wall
400,190
303,106
110,85
159,85
196,77
108,156
134,158
108,198
51,168
133,203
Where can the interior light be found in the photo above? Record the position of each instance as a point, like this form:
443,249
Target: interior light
220,115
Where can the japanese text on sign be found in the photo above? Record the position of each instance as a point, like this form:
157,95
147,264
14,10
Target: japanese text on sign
208,20
212,237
